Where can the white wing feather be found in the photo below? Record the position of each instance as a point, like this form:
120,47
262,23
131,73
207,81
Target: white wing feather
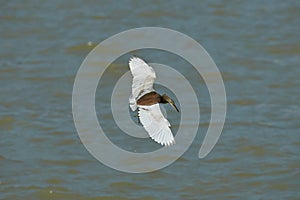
143,79
157,126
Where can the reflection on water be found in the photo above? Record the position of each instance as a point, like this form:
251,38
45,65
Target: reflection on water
256,46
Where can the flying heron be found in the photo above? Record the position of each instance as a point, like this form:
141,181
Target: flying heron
147,101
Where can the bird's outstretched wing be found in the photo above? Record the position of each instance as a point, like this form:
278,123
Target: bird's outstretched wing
157,126
143,79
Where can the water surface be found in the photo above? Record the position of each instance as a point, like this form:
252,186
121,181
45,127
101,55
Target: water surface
256,46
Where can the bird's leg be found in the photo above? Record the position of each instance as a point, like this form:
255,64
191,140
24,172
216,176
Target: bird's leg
136,115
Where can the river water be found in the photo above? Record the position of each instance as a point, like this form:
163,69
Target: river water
256,47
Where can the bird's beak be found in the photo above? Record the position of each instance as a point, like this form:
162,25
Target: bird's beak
174,106
170,101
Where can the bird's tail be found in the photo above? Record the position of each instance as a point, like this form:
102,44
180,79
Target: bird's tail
132,103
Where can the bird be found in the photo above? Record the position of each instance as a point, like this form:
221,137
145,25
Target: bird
144,98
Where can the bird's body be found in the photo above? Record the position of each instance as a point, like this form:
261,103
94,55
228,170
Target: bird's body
147,101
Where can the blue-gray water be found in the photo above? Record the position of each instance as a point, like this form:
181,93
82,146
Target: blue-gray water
256,46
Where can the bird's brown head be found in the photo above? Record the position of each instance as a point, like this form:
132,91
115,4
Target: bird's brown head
166,99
